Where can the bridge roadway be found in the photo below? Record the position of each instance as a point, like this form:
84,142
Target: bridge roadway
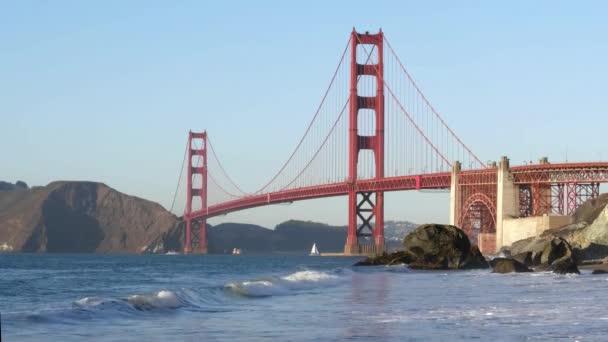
526,174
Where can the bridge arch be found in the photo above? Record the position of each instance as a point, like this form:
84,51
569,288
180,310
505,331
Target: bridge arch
478,216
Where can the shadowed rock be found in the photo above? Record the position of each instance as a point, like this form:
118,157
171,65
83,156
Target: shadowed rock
396,258
599,272
564,265
433,247
506,265
554,249
557,256
524,258
441,247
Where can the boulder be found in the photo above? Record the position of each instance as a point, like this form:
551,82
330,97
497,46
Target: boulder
554,249
557,256
523,258
385,259
599,272
506,265
564,265
435,246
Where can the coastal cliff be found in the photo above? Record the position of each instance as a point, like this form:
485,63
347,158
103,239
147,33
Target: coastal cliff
87,217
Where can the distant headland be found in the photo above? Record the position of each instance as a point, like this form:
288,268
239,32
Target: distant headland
91,217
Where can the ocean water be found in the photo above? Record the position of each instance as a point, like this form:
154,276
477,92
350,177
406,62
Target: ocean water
286,298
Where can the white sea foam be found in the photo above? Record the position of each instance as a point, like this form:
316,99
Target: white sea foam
277,286
309,276
89,301
162,299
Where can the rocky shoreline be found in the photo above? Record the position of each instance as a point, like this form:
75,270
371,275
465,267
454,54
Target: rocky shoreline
582,244
445,247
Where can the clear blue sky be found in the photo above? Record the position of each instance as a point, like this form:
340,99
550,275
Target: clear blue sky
107,90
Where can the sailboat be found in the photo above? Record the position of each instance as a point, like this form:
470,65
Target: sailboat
314,251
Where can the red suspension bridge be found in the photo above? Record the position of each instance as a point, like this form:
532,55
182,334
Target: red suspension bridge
375,131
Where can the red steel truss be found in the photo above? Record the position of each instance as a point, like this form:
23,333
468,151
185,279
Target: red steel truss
477,202
561,173
557,188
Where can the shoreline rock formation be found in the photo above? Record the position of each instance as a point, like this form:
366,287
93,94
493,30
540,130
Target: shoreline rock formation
586,240
506,265
434,247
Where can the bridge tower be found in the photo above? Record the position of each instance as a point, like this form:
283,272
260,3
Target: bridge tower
196,190
363,207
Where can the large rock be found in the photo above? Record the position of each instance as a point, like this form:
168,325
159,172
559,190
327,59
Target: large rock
564,265
547,253
554,249
434,246
507,265
558,256
396,258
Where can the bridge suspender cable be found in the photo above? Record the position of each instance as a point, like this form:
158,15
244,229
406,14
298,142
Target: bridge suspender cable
179,180
430,105
406,113
310,124
219,163
319,149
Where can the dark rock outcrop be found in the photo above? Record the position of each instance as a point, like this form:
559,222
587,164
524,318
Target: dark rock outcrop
506,265
564,265
524,258
395,258
557,256
441,247
433,247
599,272
556,248
546,253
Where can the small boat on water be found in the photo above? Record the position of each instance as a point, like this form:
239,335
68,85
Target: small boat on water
236,251
314,251
172,253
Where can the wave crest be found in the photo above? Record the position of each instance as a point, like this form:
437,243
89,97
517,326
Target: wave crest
160,300
277,286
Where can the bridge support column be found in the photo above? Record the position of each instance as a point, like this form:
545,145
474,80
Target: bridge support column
455,194
352,241
196,190
507,199
368,208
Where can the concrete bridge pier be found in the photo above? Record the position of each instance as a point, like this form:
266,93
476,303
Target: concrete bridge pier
455,194
507,199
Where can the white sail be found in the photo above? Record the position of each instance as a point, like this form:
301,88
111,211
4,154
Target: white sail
314,250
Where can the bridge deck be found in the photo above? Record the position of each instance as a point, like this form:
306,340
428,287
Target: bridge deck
525,174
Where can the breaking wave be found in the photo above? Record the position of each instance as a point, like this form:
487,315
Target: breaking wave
161,300
285,285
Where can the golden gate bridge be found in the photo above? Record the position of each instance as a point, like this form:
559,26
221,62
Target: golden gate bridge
375,131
